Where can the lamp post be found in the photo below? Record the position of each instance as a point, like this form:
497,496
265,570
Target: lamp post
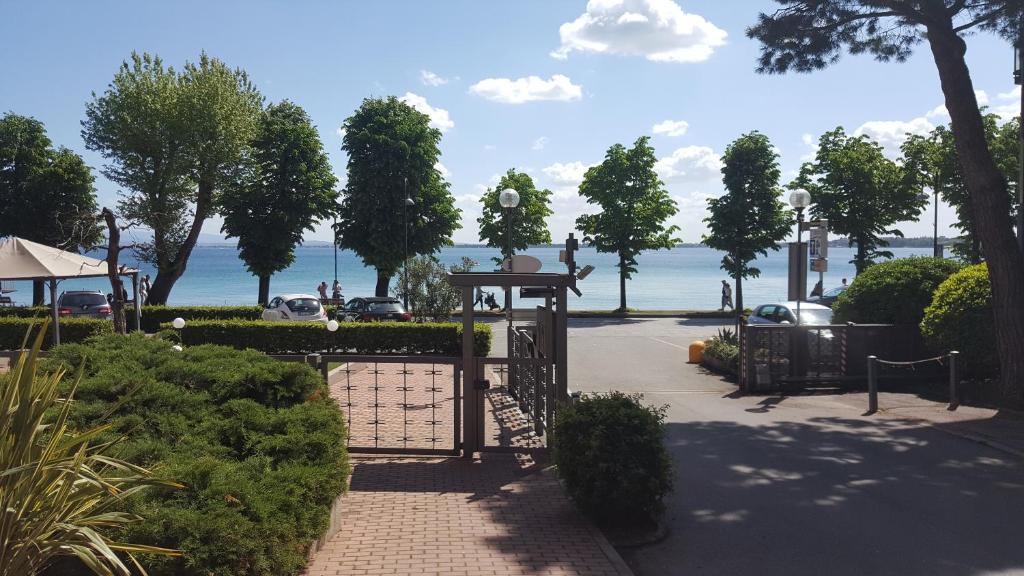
409,202
799,199
1018,79
509,199
923,197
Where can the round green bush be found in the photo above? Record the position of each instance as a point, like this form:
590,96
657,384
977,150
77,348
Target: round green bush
893,292
960,318
610,453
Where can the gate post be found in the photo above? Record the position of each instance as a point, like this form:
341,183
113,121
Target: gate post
872,384
954,380
470,418
562,346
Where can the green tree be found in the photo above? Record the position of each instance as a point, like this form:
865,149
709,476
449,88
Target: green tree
431,296
174,141
392,153
287,188
529,225
634,208
860,191
807,35
932,161
750,218
46,194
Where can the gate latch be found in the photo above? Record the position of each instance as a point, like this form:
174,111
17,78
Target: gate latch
482,384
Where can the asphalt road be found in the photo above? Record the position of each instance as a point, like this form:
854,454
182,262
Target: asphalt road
801,485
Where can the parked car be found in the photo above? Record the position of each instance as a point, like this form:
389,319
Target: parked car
295,308
374,309
829,297
785,312
84,304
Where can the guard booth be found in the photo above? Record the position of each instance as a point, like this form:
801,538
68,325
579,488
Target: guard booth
532,377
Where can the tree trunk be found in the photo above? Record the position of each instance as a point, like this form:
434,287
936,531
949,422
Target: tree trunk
264,295
38,292
989,205
169,272
622,284
383,283
858,262
116,286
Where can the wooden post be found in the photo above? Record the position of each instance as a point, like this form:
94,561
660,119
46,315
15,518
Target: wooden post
560,337
138,303
954,380
469,374
872,384
56,316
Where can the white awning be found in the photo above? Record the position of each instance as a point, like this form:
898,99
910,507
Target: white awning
24,260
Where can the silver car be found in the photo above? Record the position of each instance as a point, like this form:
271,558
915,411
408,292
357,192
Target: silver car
785,313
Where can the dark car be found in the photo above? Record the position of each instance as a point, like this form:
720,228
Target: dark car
829,297
84,304
374,310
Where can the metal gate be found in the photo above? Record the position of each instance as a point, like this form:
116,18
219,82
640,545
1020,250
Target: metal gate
398,404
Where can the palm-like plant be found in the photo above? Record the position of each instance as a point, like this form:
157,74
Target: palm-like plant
56,486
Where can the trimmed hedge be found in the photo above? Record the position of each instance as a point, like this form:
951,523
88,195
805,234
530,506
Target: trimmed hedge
611,455
727,355
258,444
960,318
13,330
893,292
444,339
154,316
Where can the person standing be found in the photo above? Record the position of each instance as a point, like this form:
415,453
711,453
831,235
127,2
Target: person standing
144,289
726,296
336,290
479,297
817,290
322,289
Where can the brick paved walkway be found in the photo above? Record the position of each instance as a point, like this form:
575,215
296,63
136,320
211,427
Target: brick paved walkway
501,515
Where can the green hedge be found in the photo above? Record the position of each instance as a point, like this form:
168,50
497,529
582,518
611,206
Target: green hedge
727,354
154,316
444,339
893,292
257,443
13,330
610,452
960,318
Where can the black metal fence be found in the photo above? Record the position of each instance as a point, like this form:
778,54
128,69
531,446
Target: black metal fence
772,356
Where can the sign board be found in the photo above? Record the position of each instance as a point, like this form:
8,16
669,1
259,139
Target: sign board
819,264
817,242
522,264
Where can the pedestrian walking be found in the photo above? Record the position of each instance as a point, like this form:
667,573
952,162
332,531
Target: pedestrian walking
322,289
479,298
817,290
144,289
336,290
726,296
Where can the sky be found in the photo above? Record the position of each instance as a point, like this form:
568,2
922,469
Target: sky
538,85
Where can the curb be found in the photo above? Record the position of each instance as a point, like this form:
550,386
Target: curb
979,440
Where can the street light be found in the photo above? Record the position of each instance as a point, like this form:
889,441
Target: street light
409,202
923,197
1018,79
799,199
509,199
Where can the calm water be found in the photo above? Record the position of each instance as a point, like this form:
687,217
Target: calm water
681,278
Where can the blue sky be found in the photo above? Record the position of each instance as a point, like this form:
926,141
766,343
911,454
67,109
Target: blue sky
538,85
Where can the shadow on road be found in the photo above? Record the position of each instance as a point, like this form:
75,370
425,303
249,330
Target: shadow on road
834,495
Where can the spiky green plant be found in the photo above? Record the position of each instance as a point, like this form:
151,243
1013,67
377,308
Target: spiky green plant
57,487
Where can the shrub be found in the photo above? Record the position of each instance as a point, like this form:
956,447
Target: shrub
960,318
443,339
13,330
610,453
154,316
893,292
258,444
57,483
724,351
431,296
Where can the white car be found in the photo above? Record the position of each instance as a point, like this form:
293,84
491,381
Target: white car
294,308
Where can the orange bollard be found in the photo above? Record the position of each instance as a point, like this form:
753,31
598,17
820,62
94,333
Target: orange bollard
696,352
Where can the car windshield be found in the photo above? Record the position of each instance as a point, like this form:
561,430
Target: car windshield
77,300
383,307
303,305
816,317
835,291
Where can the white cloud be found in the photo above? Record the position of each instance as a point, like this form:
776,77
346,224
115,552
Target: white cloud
691,164
812,144
1009,104
539,143
438,116
890,134
568,173
529,89
671,127
430,79
490,147
341,131
445,172
658,30
940,112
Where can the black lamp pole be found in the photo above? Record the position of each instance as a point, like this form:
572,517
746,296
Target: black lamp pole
800,261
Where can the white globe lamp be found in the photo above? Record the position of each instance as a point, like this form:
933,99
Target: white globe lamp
178,323
332,325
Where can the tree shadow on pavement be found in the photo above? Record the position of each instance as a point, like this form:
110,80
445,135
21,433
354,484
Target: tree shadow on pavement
836,496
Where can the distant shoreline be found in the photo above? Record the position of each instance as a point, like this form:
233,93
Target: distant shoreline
893,242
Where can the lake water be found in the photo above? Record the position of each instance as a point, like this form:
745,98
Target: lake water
681,278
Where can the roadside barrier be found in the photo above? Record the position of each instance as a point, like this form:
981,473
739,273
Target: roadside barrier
950,360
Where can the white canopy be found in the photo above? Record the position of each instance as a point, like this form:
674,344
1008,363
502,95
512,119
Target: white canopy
24,260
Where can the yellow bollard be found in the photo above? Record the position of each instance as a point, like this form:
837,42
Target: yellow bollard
696,352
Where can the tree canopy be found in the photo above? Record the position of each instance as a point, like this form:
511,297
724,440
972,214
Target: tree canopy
392,154
286,189
862,193
46,193
173,141
529,224
635,207
750,218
